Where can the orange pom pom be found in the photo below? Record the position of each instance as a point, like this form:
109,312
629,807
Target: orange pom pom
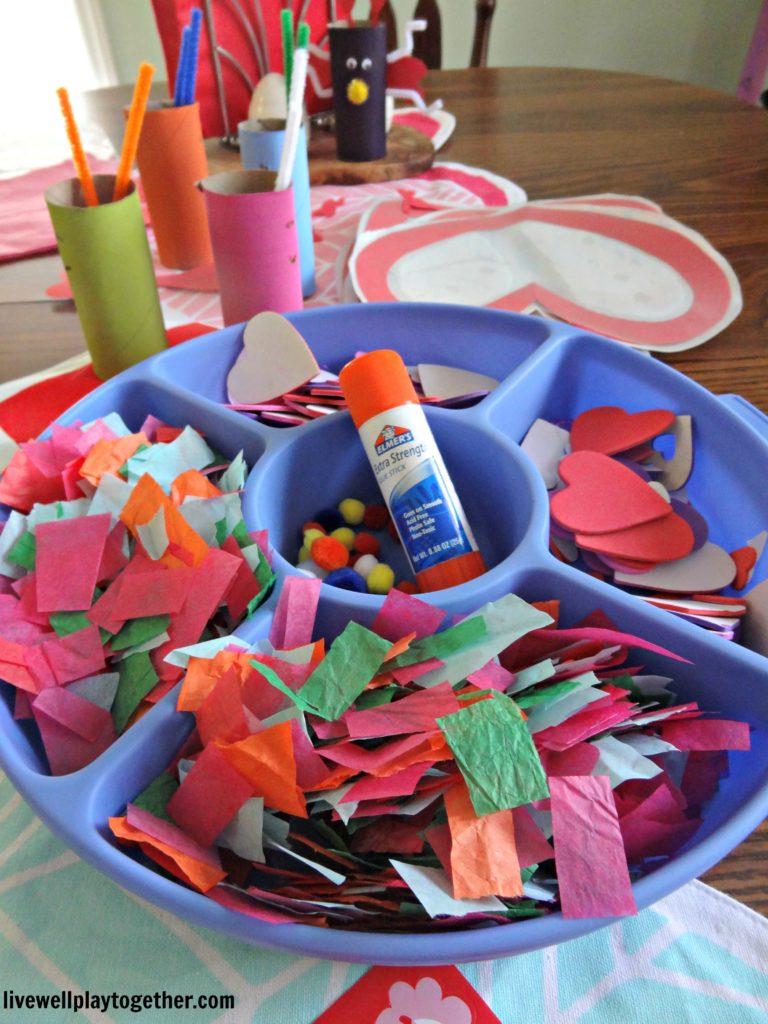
329,553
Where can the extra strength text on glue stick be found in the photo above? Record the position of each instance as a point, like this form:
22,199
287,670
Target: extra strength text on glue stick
410,470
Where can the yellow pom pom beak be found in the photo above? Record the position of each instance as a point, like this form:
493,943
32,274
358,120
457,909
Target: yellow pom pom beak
357,91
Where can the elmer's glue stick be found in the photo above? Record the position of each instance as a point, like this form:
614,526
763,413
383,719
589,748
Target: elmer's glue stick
410,471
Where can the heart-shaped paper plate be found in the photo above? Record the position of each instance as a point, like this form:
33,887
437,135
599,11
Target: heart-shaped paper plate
619,267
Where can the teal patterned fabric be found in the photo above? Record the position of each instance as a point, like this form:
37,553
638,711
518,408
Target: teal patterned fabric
695,957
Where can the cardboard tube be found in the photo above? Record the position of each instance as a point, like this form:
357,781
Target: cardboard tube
358,74
261,143
107,259
255,244
171,160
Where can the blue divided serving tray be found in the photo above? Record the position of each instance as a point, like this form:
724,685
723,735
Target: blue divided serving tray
548,370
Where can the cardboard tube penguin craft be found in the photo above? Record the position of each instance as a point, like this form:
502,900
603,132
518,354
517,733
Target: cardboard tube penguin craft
358,73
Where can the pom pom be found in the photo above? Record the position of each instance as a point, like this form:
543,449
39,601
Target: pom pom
380,579
352,511
365,564
312,524
312,535
346,536
304,553
329,553
367,544
346,579
375,517
329,519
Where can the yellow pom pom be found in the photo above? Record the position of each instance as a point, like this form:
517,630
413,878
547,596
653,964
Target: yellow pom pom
345,535
310,536
380,579
352,511
357,91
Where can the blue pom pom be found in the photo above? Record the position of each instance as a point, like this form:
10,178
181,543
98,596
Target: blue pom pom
346,579
329,518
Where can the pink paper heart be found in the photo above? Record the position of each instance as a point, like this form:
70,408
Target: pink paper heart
661,540
610,429
275,360
602,496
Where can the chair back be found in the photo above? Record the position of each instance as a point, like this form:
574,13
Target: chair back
428,44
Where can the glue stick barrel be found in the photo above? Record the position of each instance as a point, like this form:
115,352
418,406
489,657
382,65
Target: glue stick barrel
410,470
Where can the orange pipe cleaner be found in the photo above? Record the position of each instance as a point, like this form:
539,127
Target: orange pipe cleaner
133,130
78,153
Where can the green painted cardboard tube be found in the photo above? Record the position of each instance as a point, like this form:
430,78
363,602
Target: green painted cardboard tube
109,266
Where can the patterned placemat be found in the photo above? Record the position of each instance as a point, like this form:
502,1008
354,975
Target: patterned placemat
697,956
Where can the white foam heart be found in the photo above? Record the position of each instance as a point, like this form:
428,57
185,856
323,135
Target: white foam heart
275,360
708,569
451,381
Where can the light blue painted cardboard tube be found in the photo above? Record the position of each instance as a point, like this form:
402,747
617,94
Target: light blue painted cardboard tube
261,143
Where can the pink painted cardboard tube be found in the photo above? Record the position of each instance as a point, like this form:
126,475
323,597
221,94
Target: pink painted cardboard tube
255,244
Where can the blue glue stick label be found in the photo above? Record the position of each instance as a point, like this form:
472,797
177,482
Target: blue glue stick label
416,487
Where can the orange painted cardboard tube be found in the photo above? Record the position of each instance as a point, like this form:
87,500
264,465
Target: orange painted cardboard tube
171,160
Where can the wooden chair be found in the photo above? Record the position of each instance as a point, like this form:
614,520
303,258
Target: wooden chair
428,44
752,79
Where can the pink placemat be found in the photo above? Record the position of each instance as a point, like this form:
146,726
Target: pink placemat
25,227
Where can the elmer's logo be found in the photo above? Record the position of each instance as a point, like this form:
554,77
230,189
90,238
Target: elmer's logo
391,437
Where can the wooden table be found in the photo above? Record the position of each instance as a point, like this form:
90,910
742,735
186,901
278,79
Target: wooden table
702,155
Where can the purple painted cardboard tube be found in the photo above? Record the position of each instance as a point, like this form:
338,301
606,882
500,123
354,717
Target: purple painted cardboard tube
359,73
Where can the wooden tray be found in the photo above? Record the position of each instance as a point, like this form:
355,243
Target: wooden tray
408,152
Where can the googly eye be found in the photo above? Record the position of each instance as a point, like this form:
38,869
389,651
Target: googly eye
351,63
366,64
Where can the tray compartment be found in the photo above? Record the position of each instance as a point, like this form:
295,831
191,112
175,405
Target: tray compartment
486,341
730,459
723,679
324,463
134,397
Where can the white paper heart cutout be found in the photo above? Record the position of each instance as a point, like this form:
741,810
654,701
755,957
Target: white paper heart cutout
275,360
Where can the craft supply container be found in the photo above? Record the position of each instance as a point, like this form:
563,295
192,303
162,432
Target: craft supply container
261,146
171,159
255,243
547,370
106,256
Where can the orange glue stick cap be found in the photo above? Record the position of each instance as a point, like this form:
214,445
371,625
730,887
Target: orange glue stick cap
374,382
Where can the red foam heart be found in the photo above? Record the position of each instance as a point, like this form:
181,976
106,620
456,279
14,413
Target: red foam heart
610,429
745,559
662,540
603,496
